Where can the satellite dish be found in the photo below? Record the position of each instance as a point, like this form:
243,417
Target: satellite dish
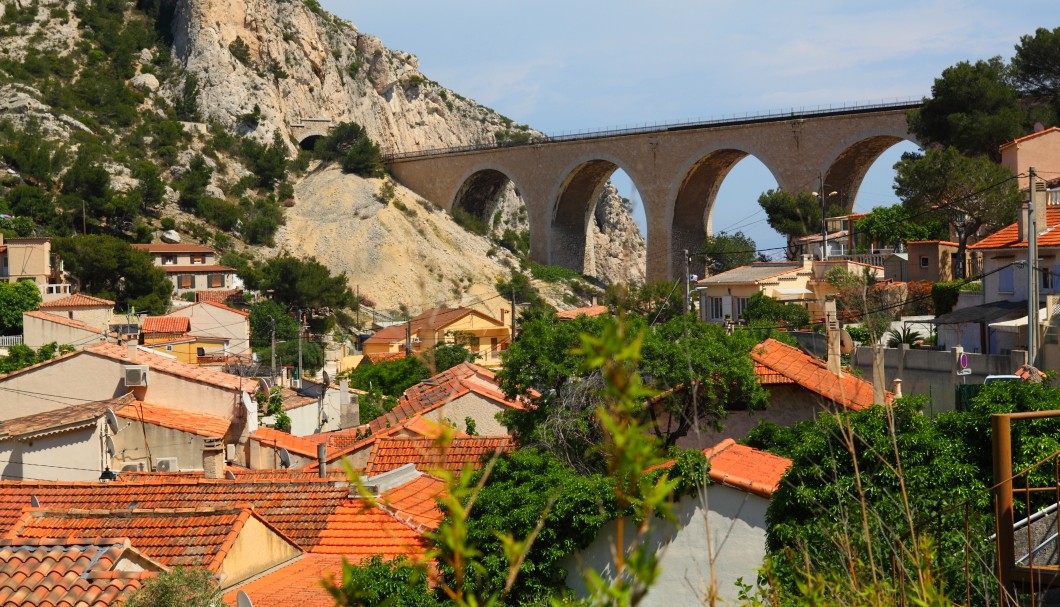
229,475
846,344
249,404
327,380
285,457
110,446
242,600
34,501
112,420
264,384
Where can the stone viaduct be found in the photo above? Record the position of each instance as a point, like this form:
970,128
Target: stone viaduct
677,171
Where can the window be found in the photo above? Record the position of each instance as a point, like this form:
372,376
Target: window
169,260
1004,280
215,280
198,258
1047,278
717,310
738,305
185,281
924,262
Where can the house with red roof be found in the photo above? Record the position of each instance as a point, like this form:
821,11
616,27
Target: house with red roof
216,321
1040,150
719,535
191,267
427,454
478,332
31,259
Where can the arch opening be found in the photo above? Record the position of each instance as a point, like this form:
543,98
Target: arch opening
309,142
719,194
480,197
593,230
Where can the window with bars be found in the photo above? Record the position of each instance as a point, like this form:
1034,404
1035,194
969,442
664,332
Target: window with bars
717,309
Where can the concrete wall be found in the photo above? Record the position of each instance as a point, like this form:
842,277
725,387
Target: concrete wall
218,322
37,332
479,408
76,455
147,442
934,372
257,548
733,520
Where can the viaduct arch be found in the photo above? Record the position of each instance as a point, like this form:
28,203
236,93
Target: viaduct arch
677,170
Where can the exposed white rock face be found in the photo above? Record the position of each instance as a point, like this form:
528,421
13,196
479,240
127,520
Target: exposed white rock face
170,236
145,82
619,249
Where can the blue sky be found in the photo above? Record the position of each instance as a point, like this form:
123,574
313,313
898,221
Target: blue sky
574,65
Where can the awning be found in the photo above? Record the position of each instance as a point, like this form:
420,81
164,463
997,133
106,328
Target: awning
991,312
792,293
1016,325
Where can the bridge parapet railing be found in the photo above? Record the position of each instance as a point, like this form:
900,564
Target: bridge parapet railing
659,127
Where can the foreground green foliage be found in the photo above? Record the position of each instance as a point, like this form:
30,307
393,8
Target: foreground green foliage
21,356
179,587
16,298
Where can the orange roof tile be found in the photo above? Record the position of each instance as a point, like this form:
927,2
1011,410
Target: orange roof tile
768,377
745,468
60,320
166,324
415,502
202,424
165,247
811,373
298,508
218,295
390,453
59,420
179,537
736,465
1009,236
434,319
54,573
589,311
280,439
293,584
172,366
77,300
358,530
385,356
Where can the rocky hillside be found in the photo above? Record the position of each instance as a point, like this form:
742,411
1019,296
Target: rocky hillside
171,84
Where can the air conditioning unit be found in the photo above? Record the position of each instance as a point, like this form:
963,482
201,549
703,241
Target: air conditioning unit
166,464
134,467
415,340
135,375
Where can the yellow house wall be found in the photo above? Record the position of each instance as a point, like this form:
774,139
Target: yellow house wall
27,258
382,348
1042,153
257,548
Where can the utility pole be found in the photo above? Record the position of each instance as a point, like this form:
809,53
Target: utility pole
1032,270
408,334
513,313
824,221
301,329
273,371
687,293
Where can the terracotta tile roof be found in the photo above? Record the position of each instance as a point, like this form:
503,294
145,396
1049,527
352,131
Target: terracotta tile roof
1020,140
752,273
293,584
298,508
415,502
179,537
172,366
218,295
60,420
165,247
769,377
358,530
589,311
426,428
745,468
280,439
758,472
434,319
385,356
811,373
942,242
196,269
389,453
340,439
166,324
77,300
202,424
1009,236
60,320
66,573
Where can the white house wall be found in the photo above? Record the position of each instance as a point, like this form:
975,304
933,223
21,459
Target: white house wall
218,322
75,455
737,535
37,332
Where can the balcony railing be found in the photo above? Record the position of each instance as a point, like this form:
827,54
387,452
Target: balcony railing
6,341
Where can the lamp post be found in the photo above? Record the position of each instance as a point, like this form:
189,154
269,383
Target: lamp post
824,218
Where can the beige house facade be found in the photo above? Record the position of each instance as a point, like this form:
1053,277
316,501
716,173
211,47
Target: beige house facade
41,328
93,311
191,267
31,259
481,334
217,320
1040,150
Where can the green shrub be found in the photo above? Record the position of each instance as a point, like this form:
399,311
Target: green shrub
551,273
240,50
168,223
469,221
945,295
349,144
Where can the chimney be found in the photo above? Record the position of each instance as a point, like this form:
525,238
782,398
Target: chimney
897,388
1040,206
1023,222
213,458
807,262
349,407
834,340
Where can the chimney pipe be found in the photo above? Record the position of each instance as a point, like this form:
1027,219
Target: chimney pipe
897,388
835,362
132,351
322,460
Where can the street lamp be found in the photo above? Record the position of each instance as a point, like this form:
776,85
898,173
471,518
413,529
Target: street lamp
824,221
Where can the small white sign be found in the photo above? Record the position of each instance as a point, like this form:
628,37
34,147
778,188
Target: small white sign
965,371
